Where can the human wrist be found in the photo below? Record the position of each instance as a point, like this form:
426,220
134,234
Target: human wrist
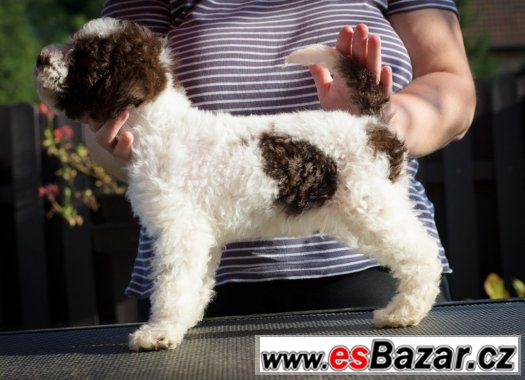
399,122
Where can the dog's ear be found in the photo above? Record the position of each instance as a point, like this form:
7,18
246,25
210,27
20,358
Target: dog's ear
92,60
112,72
140,74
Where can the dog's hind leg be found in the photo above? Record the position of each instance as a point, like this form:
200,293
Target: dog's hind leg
388,230
181,291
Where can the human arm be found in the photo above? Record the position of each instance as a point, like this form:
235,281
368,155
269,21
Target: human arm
438,106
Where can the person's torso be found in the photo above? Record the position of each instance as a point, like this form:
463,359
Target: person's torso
230,58
231,53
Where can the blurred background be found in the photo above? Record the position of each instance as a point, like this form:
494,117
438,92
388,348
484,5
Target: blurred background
68,239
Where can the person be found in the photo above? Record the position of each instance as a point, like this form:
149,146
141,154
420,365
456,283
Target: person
230,56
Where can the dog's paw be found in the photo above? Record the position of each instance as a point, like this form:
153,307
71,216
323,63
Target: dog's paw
154,337
398,317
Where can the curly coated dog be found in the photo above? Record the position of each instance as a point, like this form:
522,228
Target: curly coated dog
199,179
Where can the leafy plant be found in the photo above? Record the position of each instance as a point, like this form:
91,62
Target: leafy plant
74,162
478,45
27,26
495,287
18,51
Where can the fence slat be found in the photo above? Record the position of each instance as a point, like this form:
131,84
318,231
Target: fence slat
79,273
461,241
28,217
78,257
507,124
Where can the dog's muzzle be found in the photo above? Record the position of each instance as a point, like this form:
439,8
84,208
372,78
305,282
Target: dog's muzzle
51,67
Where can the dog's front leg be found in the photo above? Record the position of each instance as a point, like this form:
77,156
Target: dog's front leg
180,265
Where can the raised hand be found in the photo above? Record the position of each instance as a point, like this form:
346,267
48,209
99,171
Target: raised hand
333,92
108,137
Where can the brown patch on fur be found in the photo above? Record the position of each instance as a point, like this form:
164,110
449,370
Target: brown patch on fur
368,95
384,141
306,176
107,75
42,60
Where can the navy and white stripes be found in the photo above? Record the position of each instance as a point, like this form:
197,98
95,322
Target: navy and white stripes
230,55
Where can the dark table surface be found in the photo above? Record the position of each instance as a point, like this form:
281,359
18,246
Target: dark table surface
224,348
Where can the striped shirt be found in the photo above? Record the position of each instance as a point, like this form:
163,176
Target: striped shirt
230,55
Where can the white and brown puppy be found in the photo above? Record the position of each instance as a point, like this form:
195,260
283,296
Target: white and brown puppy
199,179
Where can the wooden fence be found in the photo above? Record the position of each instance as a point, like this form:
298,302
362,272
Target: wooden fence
52,275
477,186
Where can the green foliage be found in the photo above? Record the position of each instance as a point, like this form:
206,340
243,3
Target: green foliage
495,287
25,27
18,49
478,47
55,20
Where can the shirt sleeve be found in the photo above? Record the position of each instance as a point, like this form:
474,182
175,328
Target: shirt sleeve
398,6
154,14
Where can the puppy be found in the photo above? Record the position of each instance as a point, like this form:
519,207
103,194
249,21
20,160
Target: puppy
199,179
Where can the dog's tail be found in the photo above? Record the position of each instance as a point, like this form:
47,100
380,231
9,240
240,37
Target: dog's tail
315,54
368,94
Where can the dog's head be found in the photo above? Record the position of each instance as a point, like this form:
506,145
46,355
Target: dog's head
108,66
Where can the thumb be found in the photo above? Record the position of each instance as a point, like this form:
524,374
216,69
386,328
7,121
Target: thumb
322,78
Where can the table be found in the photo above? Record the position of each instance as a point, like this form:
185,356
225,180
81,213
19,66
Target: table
224,348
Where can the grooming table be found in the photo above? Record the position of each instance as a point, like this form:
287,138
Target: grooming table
224,348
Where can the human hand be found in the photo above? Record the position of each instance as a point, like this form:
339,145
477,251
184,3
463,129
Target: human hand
108,137
333,92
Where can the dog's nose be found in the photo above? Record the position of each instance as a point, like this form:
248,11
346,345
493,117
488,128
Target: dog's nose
42,60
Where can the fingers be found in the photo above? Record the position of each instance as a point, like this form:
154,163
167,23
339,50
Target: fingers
106,135
373,59
123,147
344,40
360,43
367,48
322,78
386,80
